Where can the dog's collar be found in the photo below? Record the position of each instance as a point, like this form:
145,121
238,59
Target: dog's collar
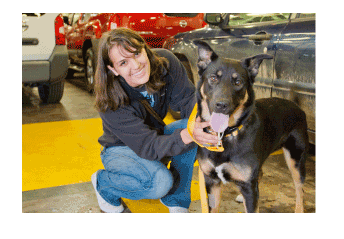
233,131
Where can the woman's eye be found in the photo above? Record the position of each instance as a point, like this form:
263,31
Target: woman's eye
122,63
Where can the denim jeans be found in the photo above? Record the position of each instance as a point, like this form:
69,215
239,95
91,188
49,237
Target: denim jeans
126,175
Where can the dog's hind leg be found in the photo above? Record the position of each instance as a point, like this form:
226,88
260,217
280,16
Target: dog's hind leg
295,152
214,193
298,180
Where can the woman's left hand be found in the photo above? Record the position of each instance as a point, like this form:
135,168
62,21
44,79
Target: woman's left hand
202,137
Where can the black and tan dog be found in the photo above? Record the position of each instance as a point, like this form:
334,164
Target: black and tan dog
256,128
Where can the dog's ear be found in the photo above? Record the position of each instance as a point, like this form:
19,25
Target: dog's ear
252,63
205,54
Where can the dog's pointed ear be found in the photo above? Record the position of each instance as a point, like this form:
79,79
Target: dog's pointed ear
252,63
205,54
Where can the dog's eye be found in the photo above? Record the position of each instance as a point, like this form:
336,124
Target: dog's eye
237,82
213,79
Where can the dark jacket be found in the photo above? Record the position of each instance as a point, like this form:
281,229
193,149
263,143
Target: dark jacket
131,125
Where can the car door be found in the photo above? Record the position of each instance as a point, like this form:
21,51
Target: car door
295,65
247,34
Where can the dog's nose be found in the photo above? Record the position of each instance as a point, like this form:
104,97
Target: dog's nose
221,106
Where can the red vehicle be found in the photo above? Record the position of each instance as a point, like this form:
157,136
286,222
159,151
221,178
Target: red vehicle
83,31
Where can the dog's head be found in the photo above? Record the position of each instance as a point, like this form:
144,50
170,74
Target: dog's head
225,84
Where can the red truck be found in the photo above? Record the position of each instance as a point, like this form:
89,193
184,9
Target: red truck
83,31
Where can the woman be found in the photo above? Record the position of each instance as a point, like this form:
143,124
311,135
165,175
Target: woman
134,142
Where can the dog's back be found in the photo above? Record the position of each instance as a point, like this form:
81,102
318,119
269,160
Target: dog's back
280,119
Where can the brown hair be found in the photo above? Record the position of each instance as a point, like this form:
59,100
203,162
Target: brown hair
108,90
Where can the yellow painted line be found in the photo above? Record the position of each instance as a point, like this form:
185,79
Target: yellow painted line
60,153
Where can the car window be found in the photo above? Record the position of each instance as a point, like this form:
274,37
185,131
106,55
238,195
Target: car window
256,19
306,15
236,19
267,19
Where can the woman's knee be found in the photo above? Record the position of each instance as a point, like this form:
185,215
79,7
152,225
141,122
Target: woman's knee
162,183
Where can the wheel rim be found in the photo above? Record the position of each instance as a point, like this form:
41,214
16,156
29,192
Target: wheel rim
90,72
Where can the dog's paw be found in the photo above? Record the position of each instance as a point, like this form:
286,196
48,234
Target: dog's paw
239,198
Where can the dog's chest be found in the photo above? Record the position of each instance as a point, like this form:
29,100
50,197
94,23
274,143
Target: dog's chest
226,171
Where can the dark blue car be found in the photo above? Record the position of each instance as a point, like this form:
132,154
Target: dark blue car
289,37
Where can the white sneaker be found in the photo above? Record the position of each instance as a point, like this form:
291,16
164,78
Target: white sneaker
104,206
176,209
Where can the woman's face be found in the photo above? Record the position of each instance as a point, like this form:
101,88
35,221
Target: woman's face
133,67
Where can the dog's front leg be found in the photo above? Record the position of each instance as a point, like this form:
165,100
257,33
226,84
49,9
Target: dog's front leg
250,192
213,187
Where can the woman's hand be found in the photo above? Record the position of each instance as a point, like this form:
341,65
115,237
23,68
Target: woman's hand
198,134
202,137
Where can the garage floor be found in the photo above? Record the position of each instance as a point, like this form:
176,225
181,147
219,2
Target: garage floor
60,152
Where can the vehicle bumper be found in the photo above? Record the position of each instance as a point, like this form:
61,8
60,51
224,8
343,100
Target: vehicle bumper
52,70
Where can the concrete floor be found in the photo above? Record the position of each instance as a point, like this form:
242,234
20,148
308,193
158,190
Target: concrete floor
276,187
277,195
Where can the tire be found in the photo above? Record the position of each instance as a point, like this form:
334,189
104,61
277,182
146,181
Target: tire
51,93
89,69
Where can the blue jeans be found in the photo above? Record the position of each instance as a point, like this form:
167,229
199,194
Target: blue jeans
126,175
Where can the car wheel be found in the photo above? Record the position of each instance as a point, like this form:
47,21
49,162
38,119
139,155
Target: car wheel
51,93
89,69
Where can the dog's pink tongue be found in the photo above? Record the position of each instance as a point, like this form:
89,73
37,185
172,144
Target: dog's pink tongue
219,122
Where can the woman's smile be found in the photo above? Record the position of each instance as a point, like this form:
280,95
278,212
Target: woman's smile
140,73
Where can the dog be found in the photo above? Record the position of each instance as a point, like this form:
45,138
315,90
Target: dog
256,128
